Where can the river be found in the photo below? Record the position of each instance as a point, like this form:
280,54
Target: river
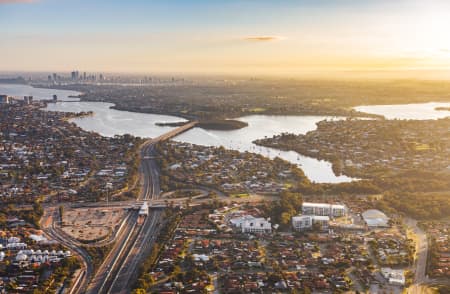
110,122
416,111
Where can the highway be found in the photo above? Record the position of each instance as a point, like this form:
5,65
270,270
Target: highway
142,245
106,269
119,269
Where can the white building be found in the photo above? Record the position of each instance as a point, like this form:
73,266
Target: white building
324,209
251,224
306,222
375,218
394,276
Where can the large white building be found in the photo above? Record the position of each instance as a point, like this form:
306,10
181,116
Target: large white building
394,276
251,224
306,222
324,209
375,218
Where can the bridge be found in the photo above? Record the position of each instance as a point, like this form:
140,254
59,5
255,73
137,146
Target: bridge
173,133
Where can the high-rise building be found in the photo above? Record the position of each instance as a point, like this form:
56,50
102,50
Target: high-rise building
54,76
28,99
75,75
4,99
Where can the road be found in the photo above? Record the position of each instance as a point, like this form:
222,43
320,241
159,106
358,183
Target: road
119,269
144,242
48,223
106,269
420,264
132,243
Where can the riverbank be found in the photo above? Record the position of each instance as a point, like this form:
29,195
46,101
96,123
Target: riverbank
373,148
206,100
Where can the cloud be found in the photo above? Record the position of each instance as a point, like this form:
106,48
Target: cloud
16,1
262,38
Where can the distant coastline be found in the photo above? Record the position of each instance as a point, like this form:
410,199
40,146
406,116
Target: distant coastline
18,80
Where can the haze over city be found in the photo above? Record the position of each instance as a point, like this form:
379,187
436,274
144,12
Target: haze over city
292,38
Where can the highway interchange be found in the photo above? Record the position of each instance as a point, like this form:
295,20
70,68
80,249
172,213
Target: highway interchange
133,241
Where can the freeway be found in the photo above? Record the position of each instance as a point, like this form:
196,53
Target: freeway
106,269
120,266
133,241
142,245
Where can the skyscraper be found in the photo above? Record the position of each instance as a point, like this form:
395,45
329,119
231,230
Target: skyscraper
75,75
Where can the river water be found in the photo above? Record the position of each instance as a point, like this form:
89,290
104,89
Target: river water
19,91
417,111
110,122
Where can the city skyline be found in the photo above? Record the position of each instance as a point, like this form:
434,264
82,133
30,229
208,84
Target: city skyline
223,37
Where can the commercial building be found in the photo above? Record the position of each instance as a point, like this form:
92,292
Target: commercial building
251,224
324,209
306,222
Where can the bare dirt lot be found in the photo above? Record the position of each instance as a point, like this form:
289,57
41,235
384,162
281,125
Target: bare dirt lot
91,224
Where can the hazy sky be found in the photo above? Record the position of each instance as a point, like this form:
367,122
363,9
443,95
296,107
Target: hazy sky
229,36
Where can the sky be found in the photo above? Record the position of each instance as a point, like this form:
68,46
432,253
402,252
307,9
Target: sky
234,37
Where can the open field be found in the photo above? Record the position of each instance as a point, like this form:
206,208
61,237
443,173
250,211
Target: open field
91,224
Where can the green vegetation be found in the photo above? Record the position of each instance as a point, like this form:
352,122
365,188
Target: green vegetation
145,281
97,254
224,124
421,206
283,210
234,98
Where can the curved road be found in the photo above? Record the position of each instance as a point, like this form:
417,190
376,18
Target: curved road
50,216
420,264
